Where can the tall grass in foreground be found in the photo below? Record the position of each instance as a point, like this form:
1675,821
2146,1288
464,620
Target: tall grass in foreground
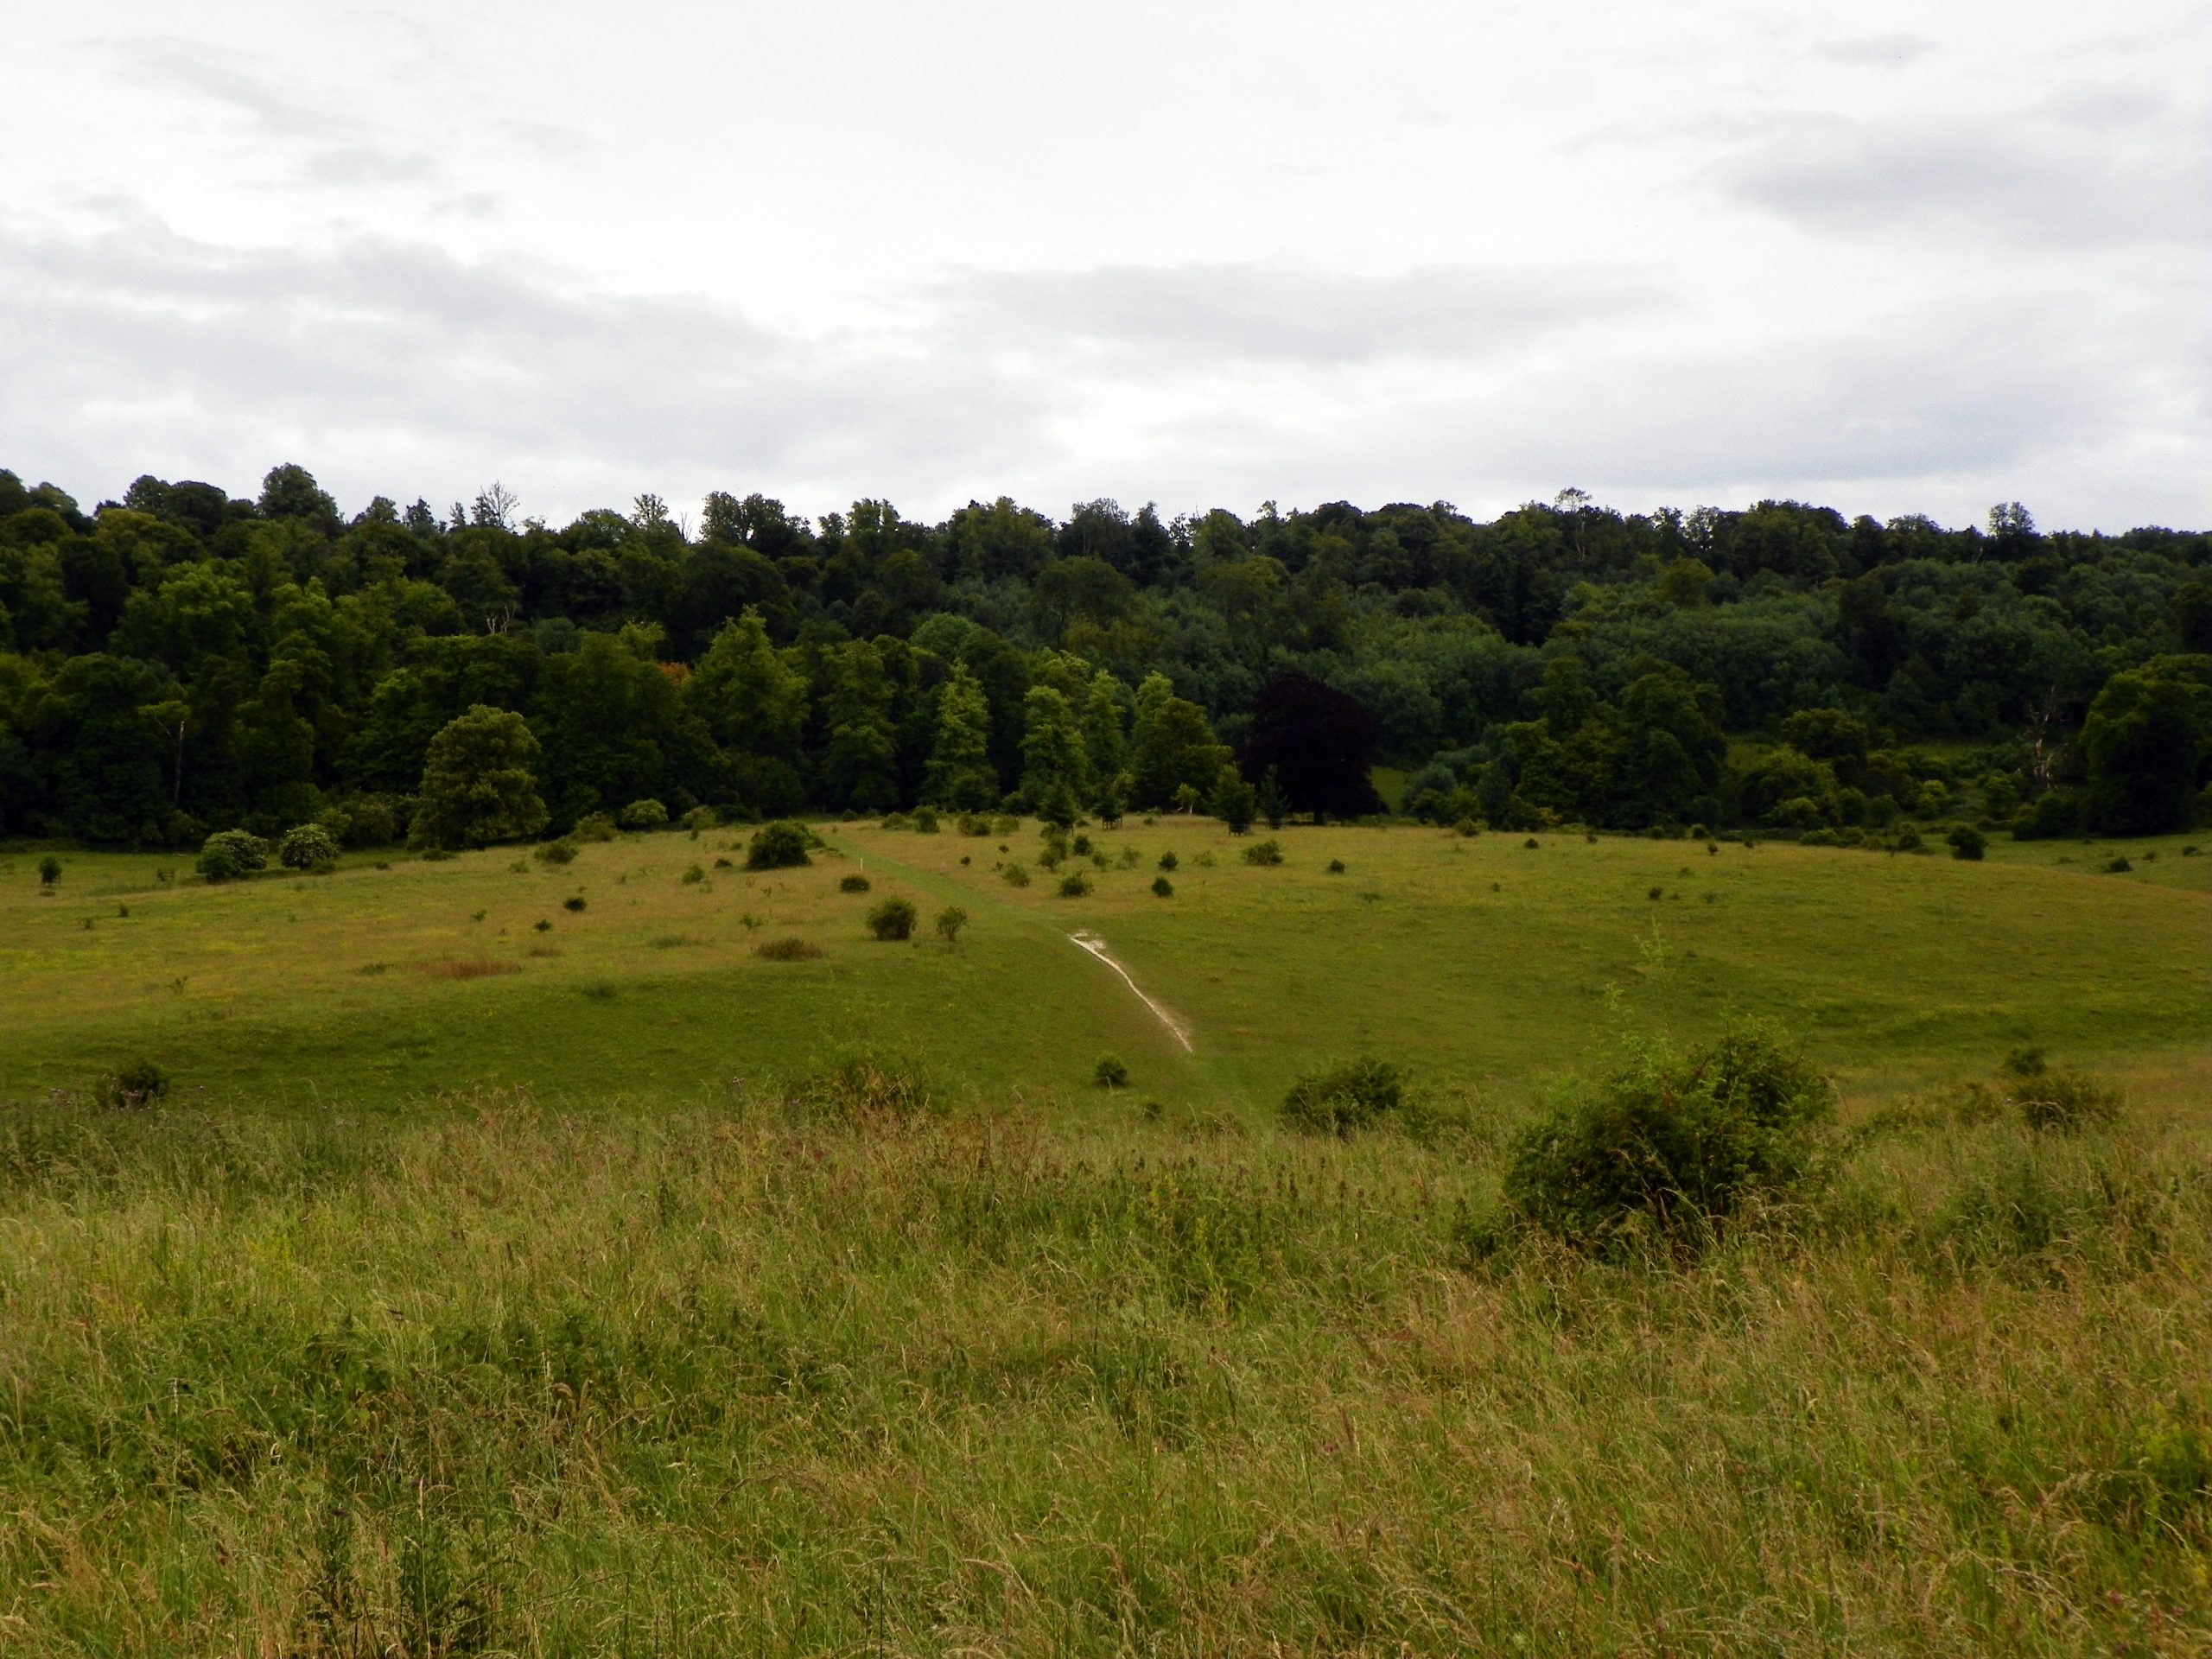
904,1384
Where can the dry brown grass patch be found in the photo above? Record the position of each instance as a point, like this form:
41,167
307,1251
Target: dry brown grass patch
470,968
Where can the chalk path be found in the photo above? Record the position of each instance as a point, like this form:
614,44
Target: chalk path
1096,947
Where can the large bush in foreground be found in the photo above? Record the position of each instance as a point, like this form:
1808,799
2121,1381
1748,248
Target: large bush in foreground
1670,1146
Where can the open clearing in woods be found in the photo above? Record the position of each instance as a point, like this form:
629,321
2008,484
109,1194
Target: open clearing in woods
1480,964
479,1290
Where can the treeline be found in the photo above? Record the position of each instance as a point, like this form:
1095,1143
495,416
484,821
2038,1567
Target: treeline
182,662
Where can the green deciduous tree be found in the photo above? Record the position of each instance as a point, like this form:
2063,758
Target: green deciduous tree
960,774
478,784
2146,739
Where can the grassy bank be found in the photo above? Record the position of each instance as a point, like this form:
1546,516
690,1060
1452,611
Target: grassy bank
499,1381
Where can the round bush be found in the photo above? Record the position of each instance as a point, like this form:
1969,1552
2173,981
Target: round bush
643,814
128,1088
1074,884
1264,852
49,870
950,921
232,856
594,826
1168,860
702,817
892,919
1163,886
309,847
1967,843
777,846
1015,875
555,852
1344,1097
852,884
1110,1072
1669,1148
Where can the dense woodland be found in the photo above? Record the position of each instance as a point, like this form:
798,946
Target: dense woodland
181,662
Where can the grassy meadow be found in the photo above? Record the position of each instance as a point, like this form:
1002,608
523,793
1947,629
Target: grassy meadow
486,1289
1483,964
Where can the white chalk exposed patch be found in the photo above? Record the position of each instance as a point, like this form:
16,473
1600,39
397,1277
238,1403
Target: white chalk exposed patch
1096,946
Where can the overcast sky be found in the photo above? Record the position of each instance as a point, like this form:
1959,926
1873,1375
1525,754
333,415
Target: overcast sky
1893,257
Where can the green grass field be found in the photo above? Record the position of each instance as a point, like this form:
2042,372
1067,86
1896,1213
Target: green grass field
551,1311
1483,964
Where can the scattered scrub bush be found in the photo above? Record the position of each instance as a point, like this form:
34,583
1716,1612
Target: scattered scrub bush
892,919
133,1087
950,921
869,1085
777,846
232,856
1015,875
1110,1072
693,875
594,826
1264,852
1168,860
574,902
1074,884
792,949
1669,1148
1967,843
702,817
555,852
49,870
1352,1095
643,814
853,884
1163,886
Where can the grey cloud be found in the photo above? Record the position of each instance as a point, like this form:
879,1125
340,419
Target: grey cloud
383,356
1893,50
327,147
559,143
1261,314
2035,180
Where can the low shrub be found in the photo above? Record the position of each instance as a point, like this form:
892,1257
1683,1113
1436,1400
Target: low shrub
974,823
1074,884
868,1085
1669,1148
1163,886
1350,1095
950,921
792,949
702,817
643,814
925,822
308,847
853,884
2118,866
132,1087
2063,1103
573,902
1264,852
1015,875
232,856
49,870
893,919
1467,828
1110,1072
1336,867
1168,860
555,852
1967,843
594,826
779,846
693,876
